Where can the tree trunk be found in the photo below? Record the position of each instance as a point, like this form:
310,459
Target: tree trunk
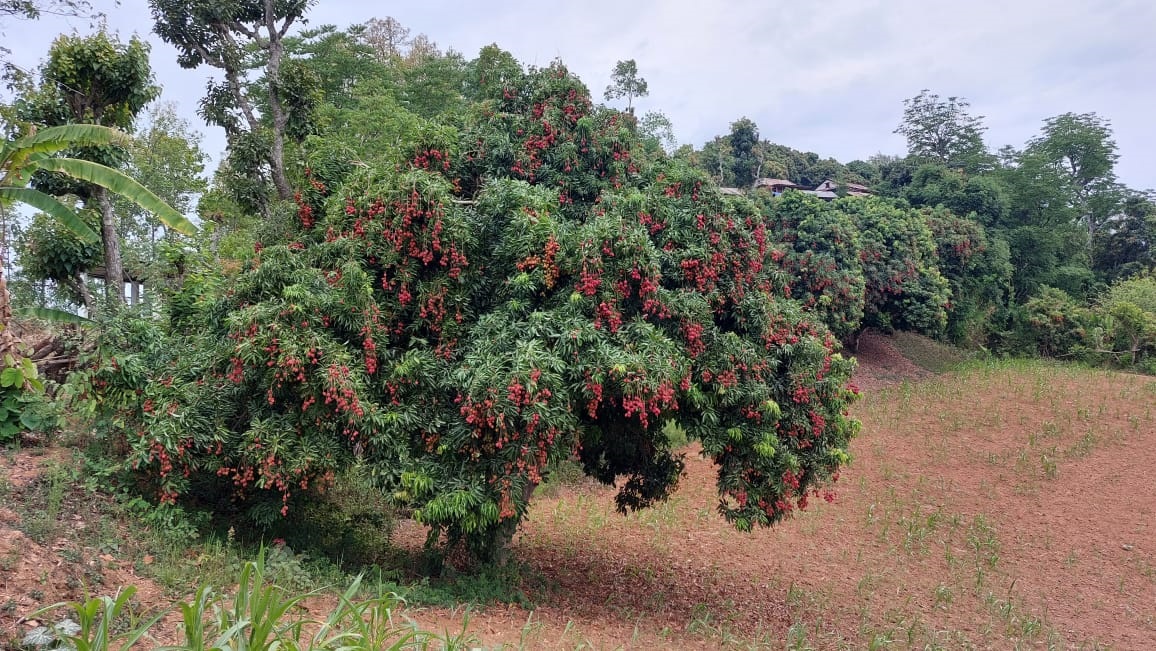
78,284
114,266
502,534
276,110
8,341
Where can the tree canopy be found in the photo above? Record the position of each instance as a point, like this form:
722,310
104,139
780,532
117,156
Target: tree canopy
625,82
943,131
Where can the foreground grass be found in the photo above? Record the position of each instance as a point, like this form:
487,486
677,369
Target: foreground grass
255,615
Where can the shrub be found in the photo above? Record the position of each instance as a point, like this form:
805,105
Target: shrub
822,256
459,348
20,387
1057,326
1127,315
904,288
978,271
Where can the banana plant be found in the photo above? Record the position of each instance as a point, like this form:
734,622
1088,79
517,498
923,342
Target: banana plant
37,151
20,158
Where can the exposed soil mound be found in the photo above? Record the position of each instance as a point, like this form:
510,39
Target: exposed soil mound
881,364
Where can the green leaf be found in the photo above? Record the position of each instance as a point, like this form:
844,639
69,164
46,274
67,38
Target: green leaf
11,377
54,207
54,139
55,316
121,184
31,421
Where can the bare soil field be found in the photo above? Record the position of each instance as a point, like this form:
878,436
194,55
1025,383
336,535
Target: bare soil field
1006,505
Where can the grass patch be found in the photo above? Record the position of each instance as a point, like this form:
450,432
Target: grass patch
259,613
932,355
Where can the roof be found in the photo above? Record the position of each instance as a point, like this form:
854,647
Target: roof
759,183
822,194
853,189
731,191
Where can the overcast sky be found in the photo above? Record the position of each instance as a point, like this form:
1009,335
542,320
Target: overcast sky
827,77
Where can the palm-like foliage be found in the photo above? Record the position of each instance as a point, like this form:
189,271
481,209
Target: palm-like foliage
20,158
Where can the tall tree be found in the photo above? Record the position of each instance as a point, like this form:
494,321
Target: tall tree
943,131
220,34
745,146
341,60
1079,152
1126,244
717,158
492,73
387,38
432,82
98,80
421,48
625,82
657,132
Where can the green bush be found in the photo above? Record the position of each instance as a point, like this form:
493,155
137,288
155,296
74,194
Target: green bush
1055,325
1127,319
20,391
459,348
821,252
904,287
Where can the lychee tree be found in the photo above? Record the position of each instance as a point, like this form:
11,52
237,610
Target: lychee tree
520,295
904,287
821,252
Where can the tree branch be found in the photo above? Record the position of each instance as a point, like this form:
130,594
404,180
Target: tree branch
285,28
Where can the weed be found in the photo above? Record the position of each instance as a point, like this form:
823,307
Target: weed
866,586
879,641
1084,446
530,630
797,638
258,615
45,503
981,538
796,596
1048,464
917,527
943,596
